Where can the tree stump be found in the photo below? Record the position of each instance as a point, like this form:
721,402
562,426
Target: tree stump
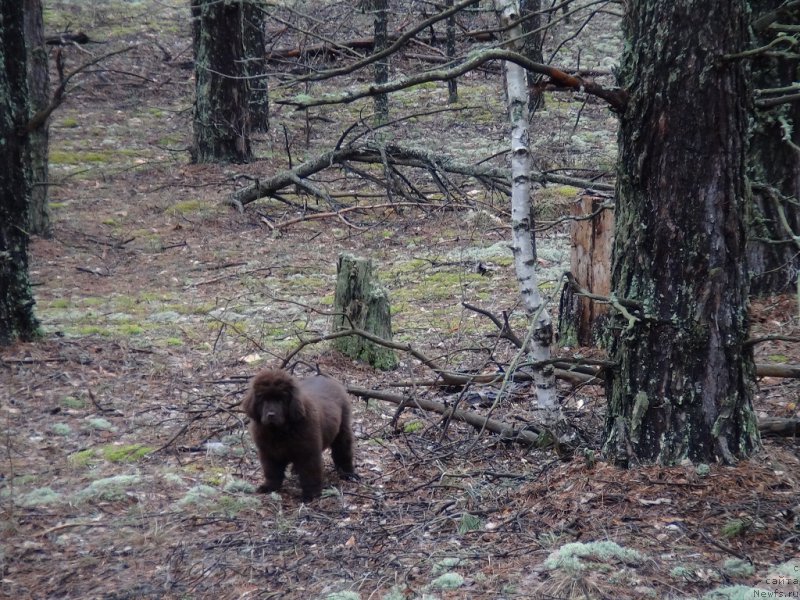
581,320
360,302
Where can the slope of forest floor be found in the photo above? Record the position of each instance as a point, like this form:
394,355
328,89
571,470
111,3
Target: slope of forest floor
127,470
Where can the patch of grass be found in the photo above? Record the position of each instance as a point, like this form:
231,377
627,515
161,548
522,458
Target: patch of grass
101,424
191,207
39,497
82,458
78,157
128,454
448,581
61,429
130,329
577,556
69,122
109,489
73,402
93,330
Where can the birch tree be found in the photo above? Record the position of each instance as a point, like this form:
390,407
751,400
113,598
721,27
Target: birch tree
523,242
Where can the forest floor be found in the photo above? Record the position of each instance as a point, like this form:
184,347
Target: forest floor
127,470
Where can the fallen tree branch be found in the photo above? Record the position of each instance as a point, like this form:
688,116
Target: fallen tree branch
779,427
530,435
395,155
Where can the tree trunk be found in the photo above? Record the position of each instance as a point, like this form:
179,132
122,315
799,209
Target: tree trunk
452,84
523,241
381,8
684,381
255,52
361,303
532,47
774,161
582,321
39,89
221,112
16,299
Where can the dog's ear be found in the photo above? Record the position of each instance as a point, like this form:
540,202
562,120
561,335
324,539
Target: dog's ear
297,408
249,405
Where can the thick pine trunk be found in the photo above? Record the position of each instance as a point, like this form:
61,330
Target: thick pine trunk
16,300
221,112
684,380
39,89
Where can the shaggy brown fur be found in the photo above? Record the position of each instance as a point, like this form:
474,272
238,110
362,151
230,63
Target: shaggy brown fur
293,421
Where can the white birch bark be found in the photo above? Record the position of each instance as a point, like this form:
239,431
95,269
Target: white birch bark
539,341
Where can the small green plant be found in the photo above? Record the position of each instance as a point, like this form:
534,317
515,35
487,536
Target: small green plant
469,523
102,424
412,427
73,402
736,527
448,581
60,429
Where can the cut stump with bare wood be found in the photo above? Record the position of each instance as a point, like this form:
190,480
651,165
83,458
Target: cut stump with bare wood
581,320
360,302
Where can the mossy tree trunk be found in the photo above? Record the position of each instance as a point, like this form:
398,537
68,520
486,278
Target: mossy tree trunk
17,320
684,381
361,303
221,112
39,89
774,161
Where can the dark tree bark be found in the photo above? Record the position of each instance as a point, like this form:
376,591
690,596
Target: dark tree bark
684,380
774,161
39,88
221,113
450,32
532,47
16,300
381,9
255,64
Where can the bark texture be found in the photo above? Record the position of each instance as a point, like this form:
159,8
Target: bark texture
381,24
221,113
16,300
362,303
683,385
39,89
255,51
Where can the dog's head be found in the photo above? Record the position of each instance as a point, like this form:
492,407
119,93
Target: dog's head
274,399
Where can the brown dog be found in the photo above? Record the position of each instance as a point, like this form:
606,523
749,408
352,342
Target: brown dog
293,421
